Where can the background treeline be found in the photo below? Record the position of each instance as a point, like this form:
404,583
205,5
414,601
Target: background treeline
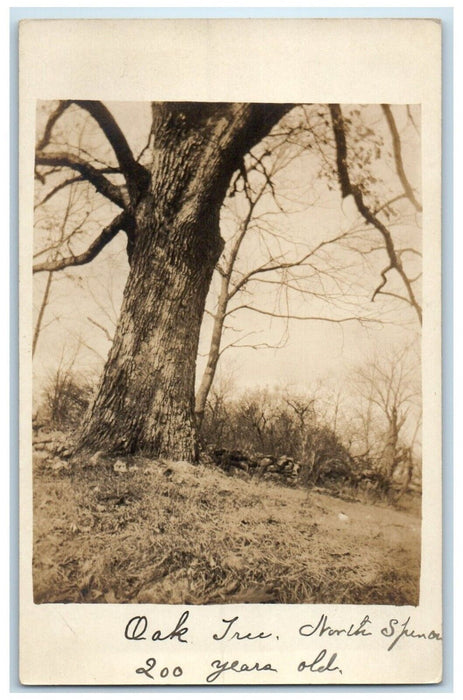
364,437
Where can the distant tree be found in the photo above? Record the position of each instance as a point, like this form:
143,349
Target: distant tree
331,277
76,217
390,388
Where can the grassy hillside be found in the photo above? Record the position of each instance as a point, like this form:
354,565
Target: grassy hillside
142,531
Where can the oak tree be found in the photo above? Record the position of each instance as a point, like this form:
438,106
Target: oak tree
169,209
167,201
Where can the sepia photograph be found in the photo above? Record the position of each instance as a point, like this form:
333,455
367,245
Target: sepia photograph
230,462
226,353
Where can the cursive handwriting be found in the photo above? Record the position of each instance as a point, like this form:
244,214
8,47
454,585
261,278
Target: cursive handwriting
322,628
164,672
237,667
235,629
317,667
226,634
138,625
392,631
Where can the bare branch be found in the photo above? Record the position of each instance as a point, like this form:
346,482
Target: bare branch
43,306
58,188
391,294
410,250
52,119
62,240
255,346
105,237
347,188
383,282
102,328
268,267
398,157
389,202
88,172
135,174
273,314
410,116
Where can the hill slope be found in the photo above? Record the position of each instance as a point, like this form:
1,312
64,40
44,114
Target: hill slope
142,531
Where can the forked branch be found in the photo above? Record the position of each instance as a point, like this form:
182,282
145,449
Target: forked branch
135,174
52,119
88,172
105,237
348,188
396,145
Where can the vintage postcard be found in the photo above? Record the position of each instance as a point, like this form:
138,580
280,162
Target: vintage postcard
230,437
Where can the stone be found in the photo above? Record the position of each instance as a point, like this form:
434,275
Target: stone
265,463
283,461
119,466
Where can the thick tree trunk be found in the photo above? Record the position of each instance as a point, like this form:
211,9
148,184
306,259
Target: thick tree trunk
145,402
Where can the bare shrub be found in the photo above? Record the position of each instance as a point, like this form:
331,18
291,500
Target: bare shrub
258,422
65,399
265,423
325,458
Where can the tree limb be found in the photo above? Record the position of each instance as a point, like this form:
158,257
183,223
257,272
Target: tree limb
273,314
391,294
88,172
268,267
102,328
58,188
398,157
43,306
105,237
52,119
347,188
383,282
135,174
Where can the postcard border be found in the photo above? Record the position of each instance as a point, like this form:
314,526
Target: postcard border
446,17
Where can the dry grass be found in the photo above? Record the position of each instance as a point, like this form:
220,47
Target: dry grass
176,533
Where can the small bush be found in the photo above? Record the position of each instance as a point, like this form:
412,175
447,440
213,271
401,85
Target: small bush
65,399
325,459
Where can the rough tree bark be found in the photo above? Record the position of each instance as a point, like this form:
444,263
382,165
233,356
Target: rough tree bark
145,401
